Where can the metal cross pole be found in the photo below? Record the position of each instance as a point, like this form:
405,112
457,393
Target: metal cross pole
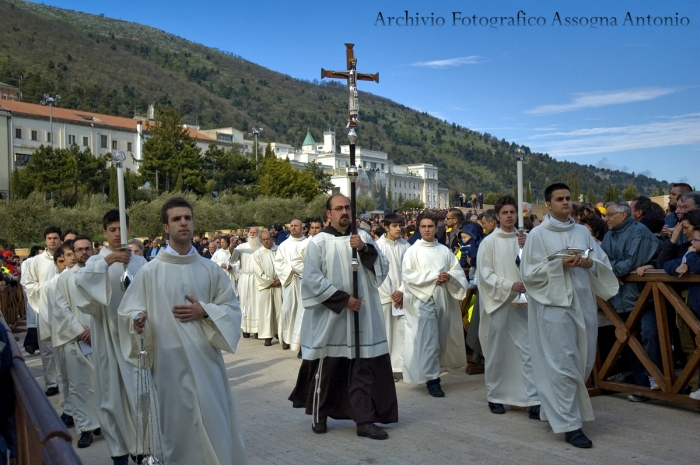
352,76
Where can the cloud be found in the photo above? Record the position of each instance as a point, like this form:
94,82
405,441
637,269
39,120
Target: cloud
684,179
601,99
450,62
587,141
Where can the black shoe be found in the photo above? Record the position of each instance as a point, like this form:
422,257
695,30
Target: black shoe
268,342
636,398
137,459
30,350
52,391
285,346
320,428
434,388
97,432
121,460
67,420
85,440
372,431
533,412
299,354
497,408
578,439
246,335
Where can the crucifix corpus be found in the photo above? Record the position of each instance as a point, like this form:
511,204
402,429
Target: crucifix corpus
352,76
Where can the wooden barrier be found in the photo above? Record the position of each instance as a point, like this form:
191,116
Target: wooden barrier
658,286
12,306
42,438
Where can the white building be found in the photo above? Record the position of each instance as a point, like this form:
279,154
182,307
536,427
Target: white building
24,127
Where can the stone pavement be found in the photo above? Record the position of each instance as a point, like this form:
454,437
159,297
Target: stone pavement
456,429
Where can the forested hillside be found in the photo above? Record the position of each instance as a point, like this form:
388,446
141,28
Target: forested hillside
116,67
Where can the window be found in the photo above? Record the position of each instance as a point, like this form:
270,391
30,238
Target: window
48,137
22,159
114,145
85,141
35,135
129,147
103,141
18,133
71,140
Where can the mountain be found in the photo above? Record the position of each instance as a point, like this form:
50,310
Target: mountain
117,67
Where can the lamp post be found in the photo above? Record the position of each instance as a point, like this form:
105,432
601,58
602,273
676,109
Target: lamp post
50,101
256,132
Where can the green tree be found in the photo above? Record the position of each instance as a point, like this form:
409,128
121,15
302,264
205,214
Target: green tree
528,193
575,190
365,204
390,200
321,176
629,192
171,154
53,172
591,196
279,179
227,168
411,204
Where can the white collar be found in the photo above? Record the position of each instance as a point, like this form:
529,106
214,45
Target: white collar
171,251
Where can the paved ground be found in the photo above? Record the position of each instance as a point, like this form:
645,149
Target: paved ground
457,429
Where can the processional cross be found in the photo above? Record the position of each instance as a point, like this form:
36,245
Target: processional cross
352,76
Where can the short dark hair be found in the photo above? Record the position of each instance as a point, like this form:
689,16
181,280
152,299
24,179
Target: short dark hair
82,237
35,250
316,220
490,215
52,230
653,221
328,202
693,217
428,216
68,245
643,204
685,187
457,213
174,202
380,231
68,231
597,225
554,187
503,201
58,254
227,238
392,219
112,216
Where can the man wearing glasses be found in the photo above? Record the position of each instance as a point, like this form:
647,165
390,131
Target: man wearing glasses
630,245
332,382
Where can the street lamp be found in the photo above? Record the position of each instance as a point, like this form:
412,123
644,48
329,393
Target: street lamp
256,132
50,101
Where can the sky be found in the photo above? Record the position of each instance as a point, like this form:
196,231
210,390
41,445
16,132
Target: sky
556,76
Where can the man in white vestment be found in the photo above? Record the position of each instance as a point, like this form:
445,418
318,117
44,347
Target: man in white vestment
98,292
70,335
503,329
434,285
331,381
182,308
31,339
38,271
315,226
289,265
268,298
222,257
242,256
64,260
562,314
391,291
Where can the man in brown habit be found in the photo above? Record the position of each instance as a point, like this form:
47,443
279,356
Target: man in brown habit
332,382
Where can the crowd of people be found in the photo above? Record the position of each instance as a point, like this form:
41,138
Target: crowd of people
400,318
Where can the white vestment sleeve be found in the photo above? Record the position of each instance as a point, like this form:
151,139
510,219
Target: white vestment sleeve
223,327
66,326
546,282
457,284
92,286
315,288
283,266
420,284
133,303
264,281
499,289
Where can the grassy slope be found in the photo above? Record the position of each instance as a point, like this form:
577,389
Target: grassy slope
118,67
